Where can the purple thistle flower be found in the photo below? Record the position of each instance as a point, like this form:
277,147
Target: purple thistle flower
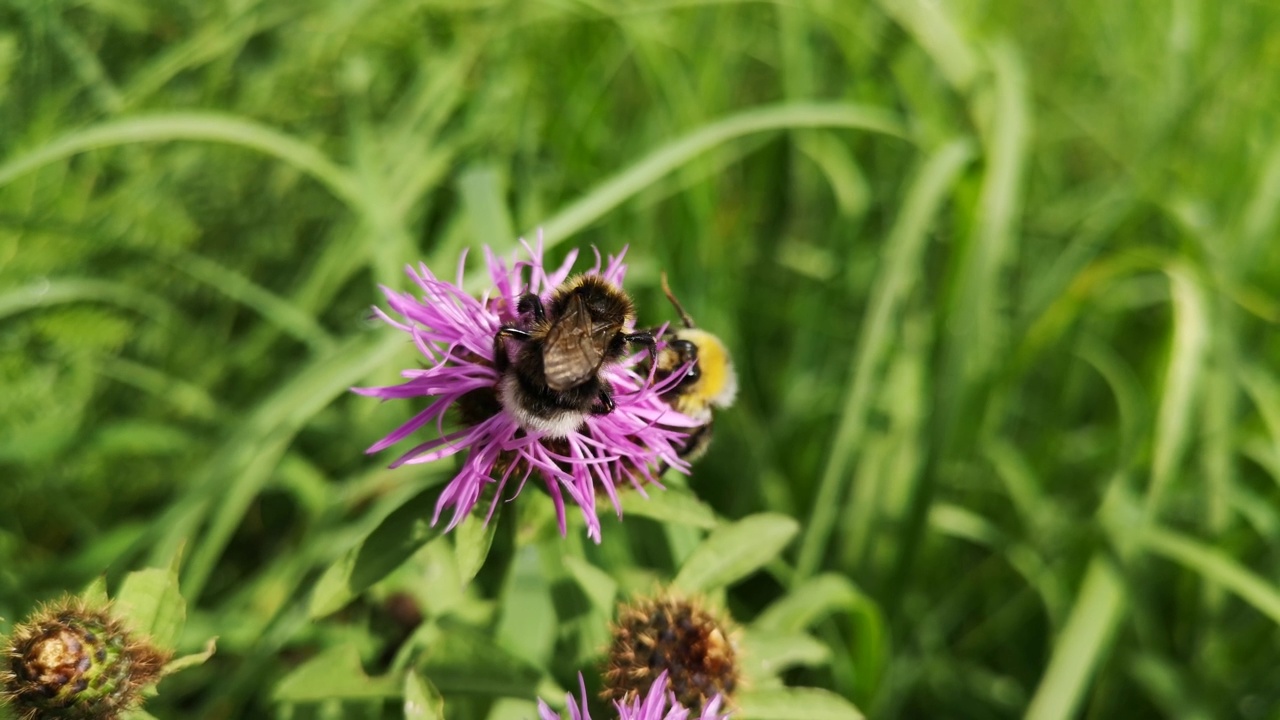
652,707
455,331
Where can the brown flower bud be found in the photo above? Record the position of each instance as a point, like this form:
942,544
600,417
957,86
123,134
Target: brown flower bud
692,644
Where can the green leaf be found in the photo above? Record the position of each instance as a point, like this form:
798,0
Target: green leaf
527,623
192,660
734,551
796,704
95,593
599,587
395,540
472,540
670,506
815,599
421,699
150,602
511,709
826,595
767,654
335,674
461,659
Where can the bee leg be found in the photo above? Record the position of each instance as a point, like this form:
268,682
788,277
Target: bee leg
644,337
606,400
500,358
530,303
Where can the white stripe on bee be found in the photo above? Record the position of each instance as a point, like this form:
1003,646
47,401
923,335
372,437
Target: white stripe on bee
559,425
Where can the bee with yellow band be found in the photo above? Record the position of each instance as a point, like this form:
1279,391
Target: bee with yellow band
710,383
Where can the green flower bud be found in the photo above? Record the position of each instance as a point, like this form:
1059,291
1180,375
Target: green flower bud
72,662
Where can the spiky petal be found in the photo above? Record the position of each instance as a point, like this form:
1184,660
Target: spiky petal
658,704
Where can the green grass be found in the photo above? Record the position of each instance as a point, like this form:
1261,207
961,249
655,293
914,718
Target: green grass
1000,280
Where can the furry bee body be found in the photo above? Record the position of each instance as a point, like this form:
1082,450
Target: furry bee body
711,381
554,382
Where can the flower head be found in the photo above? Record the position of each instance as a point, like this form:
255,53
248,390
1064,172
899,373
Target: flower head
653,706
692,647
455,333
75,662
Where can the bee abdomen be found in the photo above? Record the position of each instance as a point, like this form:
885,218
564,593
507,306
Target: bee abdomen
555,413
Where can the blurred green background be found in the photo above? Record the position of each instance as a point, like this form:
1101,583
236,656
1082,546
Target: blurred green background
1001,280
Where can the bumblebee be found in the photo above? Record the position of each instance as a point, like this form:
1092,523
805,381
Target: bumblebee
554,381
710,383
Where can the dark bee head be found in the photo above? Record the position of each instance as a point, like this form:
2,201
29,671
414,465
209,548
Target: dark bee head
710,381
678,353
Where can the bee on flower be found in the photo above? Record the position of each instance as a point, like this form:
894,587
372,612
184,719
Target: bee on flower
544,377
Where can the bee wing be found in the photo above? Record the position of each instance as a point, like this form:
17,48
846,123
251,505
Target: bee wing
574,347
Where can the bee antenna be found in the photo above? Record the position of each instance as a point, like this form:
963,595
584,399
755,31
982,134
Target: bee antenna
666,290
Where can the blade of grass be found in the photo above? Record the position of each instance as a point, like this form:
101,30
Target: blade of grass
938,35
185,397
205,127
1221,406
974,318
1264,391
887,470
963,524
83,61
1080,646
1021,484
976,306
1259,219
209,42
795,29
1215,566
1131,400
279,311
388,244
903,250
617,189
46,293
483,194
234,475
1181,383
